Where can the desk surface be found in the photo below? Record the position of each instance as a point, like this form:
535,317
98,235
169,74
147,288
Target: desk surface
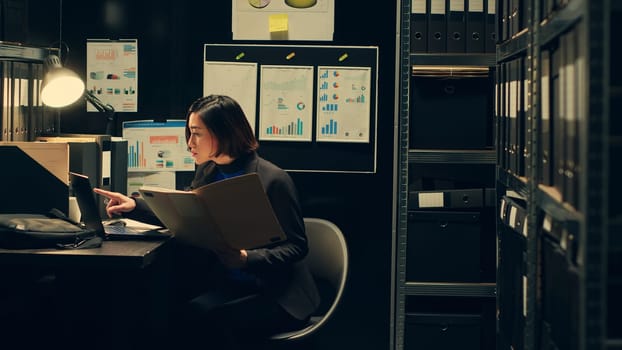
124,254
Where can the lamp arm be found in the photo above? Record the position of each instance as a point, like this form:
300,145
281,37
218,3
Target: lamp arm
99,105
105,108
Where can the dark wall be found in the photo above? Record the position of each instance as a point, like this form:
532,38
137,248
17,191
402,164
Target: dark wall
171,35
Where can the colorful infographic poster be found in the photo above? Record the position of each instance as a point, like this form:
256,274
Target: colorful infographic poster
286,103
343,104
112,73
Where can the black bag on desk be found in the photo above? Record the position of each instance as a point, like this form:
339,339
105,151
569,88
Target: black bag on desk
54,230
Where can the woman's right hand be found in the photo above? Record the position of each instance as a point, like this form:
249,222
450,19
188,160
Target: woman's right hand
117,203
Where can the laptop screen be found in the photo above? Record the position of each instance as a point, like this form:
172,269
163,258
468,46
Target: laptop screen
83,191
86,202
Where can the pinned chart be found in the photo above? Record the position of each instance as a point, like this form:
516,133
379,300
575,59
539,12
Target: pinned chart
286,103
112,73
343,113
235,79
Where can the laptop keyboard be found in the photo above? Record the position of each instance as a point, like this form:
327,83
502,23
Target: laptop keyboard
122,229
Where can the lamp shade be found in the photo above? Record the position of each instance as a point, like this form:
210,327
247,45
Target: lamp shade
60,86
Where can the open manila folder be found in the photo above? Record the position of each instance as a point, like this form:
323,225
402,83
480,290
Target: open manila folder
234,213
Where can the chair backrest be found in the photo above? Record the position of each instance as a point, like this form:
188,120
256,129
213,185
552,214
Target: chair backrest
328,260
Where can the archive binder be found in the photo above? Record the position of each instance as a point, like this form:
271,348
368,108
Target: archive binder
20,73
475,26
448,199
570,120
560,295
437,34
512,115
545,118
36,124
511,287
522,105
19,88
491,26
506,113
418,26
456,26
528,115
557,83
502,117
581,109
5,92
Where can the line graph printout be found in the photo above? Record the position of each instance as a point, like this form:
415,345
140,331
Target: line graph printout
343,104
286,103
237,80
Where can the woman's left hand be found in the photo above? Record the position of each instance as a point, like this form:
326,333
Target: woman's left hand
233,258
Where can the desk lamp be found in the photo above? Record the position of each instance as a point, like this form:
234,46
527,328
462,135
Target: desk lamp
62,87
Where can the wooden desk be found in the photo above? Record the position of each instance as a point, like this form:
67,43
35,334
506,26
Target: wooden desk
122,283
129,254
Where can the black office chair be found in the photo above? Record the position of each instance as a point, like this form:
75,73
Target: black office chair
328,261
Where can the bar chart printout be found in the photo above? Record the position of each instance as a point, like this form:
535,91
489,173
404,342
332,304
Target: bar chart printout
286,102
157,146
343,100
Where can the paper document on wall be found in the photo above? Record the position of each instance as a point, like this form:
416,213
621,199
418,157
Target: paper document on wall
237,80
286,103
112,73
283,20
343,104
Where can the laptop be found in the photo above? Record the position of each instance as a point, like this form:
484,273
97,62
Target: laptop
90,215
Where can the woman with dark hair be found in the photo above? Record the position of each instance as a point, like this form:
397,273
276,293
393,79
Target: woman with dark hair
245,294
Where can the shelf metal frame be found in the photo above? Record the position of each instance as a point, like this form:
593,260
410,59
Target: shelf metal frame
453,59
461,65
16,52
451,289
400,180
452,156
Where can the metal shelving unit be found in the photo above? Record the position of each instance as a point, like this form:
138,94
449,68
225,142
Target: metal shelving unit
462,65
593,223
586,221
